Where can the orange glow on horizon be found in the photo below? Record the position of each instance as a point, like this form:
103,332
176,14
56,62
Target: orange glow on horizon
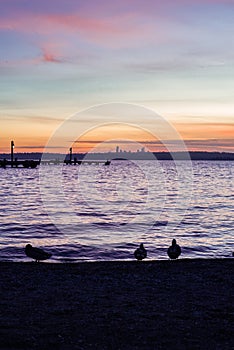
198,136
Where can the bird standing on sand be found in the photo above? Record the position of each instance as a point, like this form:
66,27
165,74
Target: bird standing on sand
140,253
174,250
36,253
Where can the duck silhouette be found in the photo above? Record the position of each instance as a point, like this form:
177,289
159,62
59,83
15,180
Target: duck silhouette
140,253
174,250
36,253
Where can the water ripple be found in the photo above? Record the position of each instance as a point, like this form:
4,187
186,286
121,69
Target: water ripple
114,214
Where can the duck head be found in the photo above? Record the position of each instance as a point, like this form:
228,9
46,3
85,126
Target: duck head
28,246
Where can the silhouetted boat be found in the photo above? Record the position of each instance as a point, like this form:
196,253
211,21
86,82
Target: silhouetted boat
174,250
140,253
36,253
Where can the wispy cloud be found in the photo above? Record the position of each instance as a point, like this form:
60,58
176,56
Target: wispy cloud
41,147
179,64
126,25
31,119
118,31
50,55
194,142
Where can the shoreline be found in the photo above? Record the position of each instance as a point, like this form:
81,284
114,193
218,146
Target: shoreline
182,304
71,261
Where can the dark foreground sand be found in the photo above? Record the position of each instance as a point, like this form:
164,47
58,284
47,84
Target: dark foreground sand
184,304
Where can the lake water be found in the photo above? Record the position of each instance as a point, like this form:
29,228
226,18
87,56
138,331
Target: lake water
97,212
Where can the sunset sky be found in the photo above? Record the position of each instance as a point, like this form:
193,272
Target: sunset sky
58,57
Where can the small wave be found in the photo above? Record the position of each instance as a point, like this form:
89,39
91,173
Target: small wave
200,248
91,214
199,207
161,223
106,224
189,223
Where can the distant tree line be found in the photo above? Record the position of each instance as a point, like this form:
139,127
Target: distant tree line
213,156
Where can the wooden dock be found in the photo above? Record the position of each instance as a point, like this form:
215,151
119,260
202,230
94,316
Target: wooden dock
79,162
34,163
74,162
19,163
26,163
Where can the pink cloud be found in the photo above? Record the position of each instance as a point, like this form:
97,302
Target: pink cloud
119,31
116,25
48,54
51,53
49,57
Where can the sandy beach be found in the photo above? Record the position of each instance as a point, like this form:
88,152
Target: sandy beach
184,304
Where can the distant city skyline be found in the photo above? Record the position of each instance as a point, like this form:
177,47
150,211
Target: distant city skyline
120,150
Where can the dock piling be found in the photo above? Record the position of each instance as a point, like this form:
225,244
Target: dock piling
12,153
70,155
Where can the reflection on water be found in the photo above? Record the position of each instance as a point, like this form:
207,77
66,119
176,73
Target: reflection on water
95,212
